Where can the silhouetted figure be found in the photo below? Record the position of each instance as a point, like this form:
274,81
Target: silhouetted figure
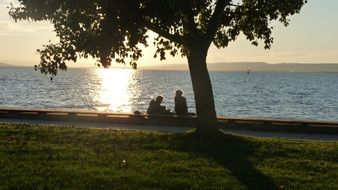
156,108
181,107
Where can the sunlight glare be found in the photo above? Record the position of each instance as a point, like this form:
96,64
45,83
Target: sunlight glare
114,93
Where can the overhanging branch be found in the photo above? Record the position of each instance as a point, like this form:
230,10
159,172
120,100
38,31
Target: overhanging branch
215,19
172,37
190,17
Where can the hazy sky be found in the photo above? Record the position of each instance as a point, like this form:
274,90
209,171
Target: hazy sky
311,37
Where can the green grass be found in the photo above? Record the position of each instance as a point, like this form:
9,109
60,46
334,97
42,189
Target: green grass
34,157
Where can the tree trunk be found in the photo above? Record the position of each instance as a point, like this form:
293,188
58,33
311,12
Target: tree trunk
204,98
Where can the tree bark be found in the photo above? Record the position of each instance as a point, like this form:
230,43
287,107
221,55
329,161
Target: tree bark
204,99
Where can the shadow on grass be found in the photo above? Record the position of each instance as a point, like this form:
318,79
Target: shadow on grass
232,153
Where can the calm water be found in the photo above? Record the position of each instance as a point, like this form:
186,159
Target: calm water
277,95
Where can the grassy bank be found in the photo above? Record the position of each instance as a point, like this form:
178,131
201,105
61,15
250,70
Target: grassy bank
34,157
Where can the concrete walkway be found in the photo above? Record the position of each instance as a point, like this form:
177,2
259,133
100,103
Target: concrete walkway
291,136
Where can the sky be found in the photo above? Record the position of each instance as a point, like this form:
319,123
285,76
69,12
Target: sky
311,37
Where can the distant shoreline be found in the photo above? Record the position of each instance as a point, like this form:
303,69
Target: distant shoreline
233,67
256,67
177,70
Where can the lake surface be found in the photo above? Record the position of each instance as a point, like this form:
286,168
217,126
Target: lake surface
260,94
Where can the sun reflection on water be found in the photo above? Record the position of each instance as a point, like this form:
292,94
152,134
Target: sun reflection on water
114,93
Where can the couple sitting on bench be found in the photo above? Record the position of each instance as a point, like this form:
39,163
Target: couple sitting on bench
181,107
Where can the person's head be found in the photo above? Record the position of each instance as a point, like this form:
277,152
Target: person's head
159,99
179,92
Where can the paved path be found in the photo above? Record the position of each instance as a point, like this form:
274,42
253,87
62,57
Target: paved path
292,136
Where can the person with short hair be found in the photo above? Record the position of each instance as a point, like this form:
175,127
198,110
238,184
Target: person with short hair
181,107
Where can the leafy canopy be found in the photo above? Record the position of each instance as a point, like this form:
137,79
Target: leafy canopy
117,29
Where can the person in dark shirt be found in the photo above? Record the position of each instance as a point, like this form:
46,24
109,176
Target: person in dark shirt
156,108
181,107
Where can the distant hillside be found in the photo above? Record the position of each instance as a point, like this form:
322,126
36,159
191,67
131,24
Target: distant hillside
289,67
254,66
5,65
164,67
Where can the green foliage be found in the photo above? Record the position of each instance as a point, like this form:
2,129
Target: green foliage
116,30
35,157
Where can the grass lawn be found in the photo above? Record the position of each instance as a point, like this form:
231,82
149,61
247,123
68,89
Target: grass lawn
35,157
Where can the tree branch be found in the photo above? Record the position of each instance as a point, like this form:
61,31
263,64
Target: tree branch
190,17
215,19
234,5
172,37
